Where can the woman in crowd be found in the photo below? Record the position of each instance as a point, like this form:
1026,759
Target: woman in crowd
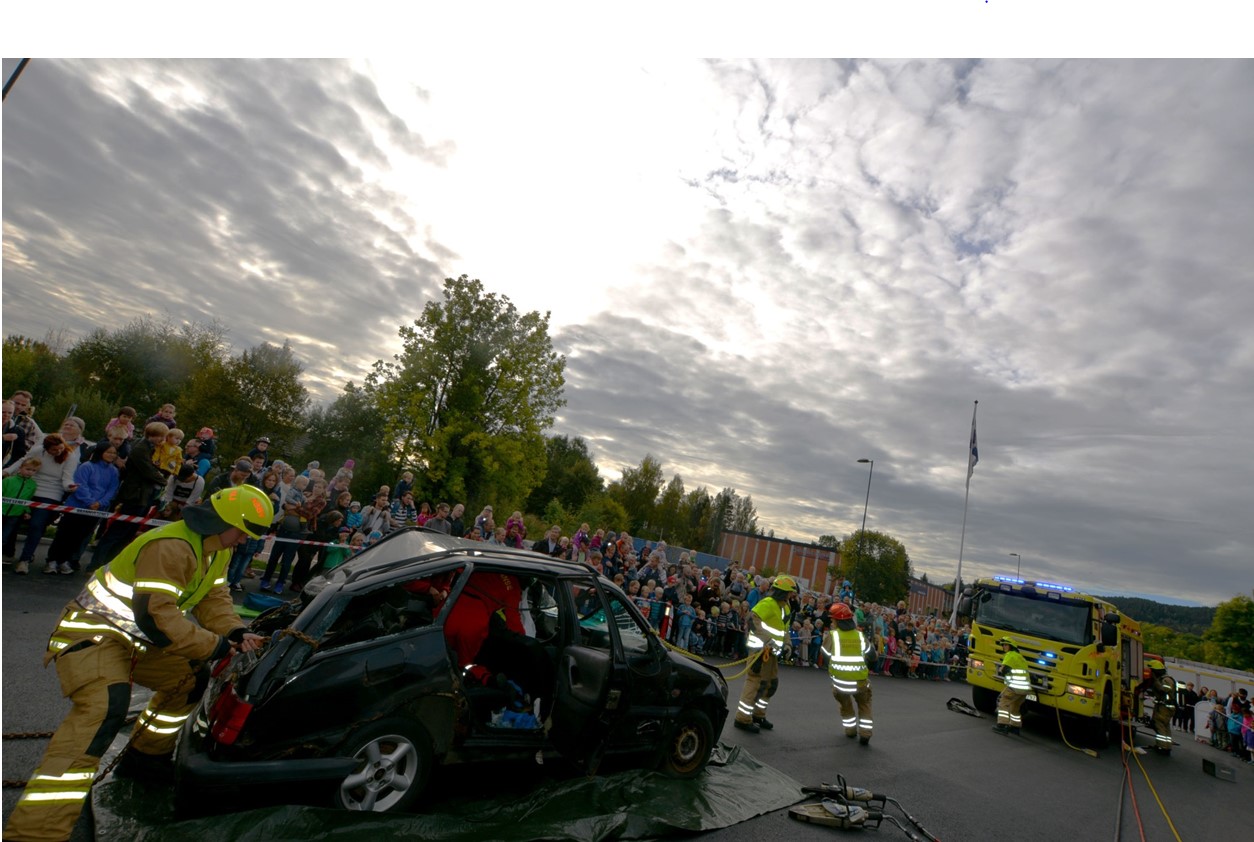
53,482
97,481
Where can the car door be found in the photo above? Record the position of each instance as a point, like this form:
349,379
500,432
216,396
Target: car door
591,674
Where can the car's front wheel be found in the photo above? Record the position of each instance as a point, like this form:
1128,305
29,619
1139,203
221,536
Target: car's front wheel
394,760
691,742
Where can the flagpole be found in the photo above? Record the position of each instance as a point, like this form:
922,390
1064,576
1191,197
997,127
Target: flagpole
972,458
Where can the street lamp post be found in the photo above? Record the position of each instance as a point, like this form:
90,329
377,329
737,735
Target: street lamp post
866,504
1018,563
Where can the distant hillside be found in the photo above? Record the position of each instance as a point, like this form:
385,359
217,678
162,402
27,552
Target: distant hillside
1179,618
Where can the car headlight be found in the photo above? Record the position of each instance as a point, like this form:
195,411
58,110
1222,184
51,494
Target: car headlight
976,663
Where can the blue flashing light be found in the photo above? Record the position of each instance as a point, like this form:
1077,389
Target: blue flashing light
1052,586
1012,580
1042,663
1049,654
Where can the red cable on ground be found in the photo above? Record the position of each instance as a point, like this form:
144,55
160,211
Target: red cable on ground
1127,774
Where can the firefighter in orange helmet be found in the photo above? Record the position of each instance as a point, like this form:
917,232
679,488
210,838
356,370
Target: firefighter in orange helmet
846,649
129,624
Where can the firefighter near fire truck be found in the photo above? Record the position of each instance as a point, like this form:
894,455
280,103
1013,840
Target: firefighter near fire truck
765,641
1014,672
130,625
1160,687
847,649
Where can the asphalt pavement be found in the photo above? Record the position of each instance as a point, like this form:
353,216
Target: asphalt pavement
950,771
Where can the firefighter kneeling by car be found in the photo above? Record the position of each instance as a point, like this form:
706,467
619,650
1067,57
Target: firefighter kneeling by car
846,652
1162,689
130,624
765,641
1018,684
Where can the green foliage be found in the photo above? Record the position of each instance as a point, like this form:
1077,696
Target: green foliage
831,542
1230,639
637,491
37,367
1173,644
570,475
1181,618
601,512
87,403
878,566
147,363
469,396
349,428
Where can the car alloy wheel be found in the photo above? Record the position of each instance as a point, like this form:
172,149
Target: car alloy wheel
394,760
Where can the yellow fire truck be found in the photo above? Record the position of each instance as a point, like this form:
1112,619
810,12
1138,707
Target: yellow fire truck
1084,657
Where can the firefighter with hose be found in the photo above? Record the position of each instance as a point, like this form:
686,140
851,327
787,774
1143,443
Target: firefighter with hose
1014,668
765,640
846,650
129,625
1161,687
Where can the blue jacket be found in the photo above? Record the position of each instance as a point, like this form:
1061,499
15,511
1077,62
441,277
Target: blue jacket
97,483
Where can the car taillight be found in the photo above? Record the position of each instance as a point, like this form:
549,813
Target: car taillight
227,716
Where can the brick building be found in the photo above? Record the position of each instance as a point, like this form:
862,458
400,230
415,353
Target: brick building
807,563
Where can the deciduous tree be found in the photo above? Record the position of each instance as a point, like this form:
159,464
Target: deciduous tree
877,564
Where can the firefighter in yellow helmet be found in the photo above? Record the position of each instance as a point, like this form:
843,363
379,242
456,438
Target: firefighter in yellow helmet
846,650
1014,670
1162,689
768,626
129,624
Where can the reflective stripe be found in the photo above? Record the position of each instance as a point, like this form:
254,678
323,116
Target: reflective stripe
173,729
68,776
158,585
107,598
68,795
221,581
165,717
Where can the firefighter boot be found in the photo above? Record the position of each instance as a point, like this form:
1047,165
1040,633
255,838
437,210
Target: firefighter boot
751,727
764,724
1004,730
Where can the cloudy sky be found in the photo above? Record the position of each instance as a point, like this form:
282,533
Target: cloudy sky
760,271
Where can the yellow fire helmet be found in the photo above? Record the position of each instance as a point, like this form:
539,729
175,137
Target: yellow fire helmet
1156,665
1005,641
245,507
784,583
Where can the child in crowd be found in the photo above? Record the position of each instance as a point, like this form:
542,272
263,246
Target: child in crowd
890,652
794,644
353,519
357,543
124,423
183,488
687,615
805,637
340,549
816,645
657,609
515,530
20,486
713,634
168,456
373,537
699,630
406,484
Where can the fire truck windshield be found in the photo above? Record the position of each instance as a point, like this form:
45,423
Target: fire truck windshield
1066,622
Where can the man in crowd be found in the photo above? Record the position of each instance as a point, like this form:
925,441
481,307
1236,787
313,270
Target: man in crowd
551,543
129,626
440,521
769,622
241,473
24,417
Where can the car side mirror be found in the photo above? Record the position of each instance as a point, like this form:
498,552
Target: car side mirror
1110,634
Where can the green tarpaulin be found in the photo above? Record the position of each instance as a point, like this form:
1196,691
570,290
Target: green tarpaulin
623,805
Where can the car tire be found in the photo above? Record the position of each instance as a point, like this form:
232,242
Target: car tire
395,759
689,747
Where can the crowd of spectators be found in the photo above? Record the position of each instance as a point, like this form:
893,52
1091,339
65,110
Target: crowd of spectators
156,470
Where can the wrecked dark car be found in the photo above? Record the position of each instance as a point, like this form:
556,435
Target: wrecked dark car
427,650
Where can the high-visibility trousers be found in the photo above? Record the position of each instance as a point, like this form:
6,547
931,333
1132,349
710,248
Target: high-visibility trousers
1008,704
97,679
760,684
1162,726
856,722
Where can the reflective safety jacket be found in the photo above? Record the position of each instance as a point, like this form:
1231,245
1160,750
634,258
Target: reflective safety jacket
1015,669
846,659
773,616
144,595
